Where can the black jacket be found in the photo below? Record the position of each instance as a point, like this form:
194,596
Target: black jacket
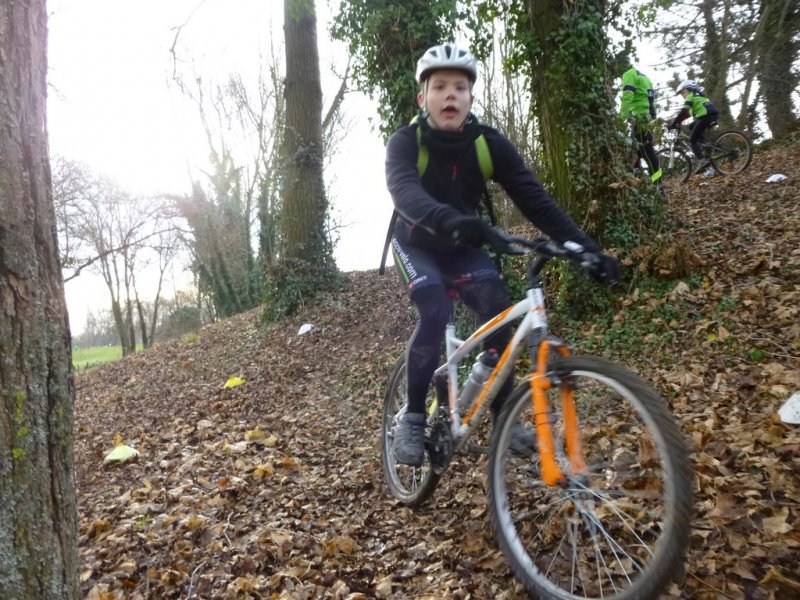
452,185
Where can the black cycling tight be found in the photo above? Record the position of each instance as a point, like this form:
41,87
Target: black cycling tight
484,298
646,150
698,137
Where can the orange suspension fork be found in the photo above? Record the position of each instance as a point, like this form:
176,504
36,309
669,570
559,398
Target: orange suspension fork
540,382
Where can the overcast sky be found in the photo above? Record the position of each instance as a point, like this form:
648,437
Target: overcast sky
112,105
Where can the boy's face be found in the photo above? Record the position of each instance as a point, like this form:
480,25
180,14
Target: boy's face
448,98
684,93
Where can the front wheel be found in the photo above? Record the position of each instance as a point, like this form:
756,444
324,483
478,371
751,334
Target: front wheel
675,165
410,485
620,529
731,153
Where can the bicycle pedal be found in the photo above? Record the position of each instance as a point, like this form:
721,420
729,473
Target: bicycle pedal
476,449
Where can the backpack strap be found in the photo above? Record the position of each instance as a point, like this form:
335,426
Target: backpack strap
487,169
389,234
422,151
484,157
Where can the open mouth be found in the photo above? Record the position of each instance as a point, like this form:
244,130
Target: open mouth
450,111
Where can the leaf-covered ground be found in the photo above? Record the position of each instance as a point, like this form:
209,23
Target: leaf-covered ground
273,488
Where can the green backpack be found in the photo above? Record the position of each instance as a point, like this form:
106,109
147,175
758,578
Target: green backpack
487,169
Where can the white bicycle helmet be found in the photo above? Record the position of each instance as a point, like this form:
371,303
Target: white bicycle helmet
447,56
689,84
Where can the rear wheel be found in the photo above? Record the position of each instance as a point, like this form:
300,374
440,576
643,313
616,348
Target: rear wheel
410,485
731,153
618,531
676,166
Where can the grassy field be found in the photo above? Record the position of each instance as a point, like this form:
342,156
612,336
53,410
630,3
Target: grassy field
85,358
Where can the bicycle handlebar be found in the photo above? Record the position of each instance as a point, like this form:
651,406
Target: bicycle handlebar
539,245
546,248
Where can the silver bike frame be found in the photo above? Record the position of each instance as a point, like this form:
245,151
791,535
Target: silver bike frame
534,318
673,137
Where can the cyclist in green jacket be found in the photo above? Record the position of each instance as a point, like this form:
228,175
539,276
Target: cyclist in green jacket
638,106
705,114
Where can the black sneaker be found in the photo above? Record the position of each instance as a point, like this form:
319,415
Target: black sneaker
702,166
523,440
408,446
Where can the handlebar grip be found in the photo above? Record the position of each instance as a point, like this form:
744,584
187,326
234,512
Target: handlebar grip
502,243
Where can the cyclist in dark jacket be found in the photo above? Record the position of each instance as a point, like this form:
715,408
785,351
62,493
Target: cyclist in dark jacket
438,235
705,114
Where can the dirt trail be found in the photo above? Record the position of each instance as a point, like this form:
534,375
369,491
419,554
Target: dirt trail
273,489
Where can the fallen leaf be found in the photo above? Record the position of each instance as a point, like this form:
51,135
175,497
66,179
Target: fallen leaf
777,524
254,435
233,382
343,544
121,453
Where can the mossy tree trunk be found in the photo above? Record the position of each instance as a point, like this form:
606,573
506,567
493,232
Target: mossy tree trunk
779,47
545,20
305,264
573,95
716,60
38,516
304,202
385,39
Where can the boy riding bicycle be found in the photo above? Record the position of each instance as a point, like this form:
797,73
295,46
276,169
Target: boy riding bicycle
438,235
705,114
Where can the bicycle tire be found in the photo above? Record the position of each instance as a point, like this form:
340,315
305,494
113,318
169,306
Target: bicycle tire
731,152
412,486
633,511
676,165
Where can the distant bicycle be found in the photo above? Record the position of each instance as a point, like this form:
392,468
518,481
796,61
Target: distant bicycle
730,152
674,161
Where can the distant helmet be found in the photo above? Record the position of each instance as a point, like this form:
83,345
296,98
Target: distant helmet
689,84
447,56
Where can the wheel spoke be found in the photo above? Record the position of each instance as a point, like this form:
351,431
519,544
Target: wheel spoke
731,153
410,485
675,166
601,536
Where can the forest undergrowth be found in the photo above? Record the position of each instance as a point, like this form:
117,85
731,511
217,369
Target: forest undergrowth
273,488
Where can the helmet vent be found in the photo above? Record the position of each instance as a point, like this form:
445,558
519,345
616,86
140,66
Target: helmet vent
447,56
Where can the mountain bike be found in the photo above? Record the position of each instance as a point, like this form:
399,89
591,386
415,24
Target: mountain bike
730,152
602,506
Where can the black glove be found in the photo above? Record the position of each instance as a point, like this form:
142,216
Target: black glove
467,231
601,267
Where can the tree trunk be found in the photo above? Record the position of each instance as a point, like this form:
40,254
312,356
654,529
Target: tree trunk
121,326
38,515
778,51
575,107
545,18
304,204
716,59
